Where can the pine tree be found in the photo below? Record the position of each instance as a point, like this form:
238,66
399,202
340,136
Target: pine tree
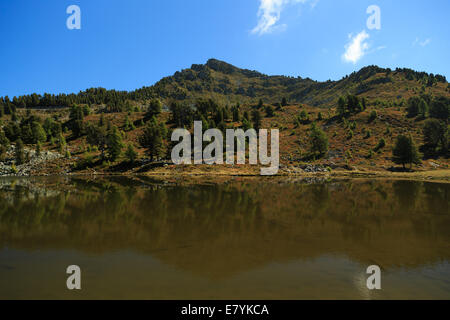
38,149
218,118
435,135
236,115
423,109
131,154
256,119
4,141
342,106
127,125
114,144
318,141
154,109
61,143
101,121
19,152
269,112
260,104
39,134
4,144
152,139
246,124
405,151
97,136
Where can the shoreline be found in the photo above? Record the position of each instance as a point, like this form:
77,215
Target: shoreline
441,176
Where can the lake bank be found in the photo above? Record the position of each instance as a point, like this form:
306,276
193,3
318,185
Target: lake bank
53,169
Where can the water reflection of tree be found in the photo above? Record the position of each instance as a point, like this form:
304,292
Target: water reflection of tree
407,193
240,224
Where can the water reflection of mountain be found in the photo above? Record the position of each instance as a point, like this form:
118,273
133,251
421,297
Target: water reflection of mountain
219,229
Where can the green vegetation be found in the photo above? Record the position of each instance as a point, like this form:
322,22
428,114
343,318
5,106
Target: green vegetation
373,116
114,144
405,151
318,141
154,109
152,139
256,119
381,144
223,96
130,154
436,137
19,152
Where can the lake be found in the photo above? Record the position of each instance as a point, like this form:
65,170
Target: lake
223,238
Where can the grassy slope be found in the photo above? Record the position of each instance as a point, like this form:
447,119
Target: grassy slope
314,97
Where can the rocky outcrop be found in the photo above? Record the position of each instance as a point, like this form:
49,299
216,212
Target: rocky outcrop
35,161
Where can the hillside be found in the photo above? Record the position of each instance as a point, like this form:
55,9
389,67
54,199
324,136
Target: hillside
226,83
216,90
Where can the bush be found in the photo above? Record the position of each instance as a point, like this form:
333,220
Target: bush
269,112
350,134
303,117
373,116
88,162
381,144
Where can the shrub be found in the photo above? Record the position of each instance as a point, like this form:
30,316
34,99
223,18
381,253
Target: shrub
350,134
381,144
269,112
373,116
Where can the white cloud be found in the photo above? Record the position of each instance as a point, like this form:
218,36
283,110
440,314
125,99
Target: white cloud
421,43
357,47
269,14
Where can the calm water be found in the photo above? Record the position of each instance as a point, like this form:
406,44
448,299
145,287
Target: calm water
232,239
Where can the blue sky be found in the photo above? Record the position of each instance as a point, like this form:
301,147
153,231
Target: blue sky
125,45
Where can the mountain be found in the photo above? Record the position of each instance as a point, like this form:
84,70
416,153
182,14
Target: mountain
226,83
378,106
